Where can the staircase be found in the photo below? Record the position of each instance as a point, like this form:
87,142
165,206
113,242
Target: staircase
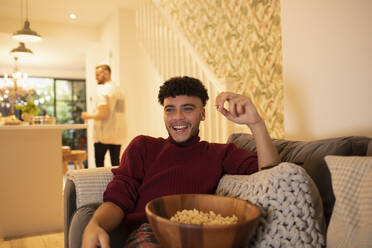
172,55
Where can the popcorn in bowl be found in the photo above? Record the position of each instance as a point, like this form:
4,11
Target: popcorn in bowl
196,217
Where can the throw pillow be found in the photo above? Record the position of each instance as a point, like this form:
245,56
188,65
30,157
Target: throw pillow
351,221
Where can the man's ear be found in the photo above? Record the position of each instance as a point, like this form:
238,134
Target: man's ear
203,114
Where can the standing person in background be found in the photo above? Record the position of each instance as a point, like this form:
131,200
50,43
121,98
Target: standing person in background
108,118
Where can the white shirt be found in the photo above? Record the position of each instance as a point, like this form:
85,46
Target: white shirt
110,130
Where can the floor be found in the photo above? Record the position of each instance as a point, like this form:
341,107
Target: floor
55,240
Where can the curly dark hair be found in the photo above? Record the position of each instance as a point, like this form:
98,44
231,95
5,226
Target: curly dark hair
177,86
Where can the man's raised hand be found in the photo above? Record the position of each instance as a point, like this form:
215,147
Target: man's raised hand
240,108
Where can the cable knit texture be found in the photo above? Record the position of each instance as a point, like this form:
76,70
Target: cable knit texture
90,184
290,204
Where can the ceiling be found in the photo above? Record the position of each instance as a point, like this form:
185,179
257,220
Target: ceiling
64,40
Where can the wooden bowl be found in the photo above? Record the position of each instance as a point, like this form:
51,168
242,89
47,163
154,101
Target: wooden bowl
173,235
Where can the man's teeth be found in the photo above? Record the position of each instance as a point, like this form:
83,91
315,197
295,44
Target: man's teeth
179,127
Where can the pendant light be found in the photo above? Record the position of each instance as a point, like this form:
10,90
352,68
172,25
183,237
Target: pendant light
21,51
26,33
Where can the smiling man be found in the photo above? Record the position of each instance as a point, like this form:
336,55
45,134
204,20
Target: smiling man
153,167
182,116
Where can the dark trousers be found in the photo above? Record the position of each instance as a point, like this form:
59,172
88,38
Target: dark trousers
100,150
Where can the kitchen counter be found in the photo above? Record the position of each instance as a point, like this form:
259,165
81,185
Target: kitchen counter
44,126
31,179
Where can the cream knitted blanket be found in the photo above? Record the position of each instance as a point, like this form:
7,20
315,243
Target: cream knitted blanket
292,214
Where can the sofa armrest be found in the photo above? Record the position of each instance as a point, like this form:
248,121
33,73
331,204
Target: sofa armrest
82,188
69,207
369,149
291,207
90,184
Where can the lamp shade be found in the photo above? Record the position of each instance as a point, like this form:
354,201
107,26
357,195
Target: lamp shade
21,50
26,34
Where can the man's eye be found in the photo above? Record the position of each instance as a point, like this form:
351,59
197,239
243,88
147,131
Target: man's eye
188,109
169,110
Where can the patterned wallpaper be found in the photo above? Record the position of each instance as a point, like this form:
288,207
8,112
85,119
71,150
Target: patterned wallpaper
241,42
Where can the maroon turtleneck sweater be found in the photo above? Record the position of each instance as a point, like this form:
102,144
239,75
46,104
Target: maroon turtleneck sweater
153,167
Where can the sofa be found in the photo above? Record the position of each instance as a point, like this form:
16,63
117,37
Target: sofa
298,198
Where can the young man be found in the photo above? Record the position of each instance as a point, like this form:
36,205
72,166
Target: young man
154,167
108,118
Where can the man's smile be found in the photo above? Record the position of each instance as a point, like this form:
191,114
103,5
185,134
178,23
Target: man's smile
179,127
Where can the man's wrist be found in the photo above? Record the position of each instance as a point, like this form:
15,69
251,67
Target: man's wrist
257,125
269,166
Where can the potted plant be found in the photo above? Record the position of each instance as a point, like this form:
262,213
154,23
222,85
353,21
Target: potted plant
28,111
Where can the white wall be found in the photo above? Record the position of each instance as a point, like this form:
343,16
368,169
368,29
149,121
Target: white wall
93,54
140,83
327,51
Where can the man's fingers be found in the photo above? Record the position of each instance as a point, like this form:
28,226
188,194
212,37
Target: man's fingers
240,108
223,97
244,104
223,111
104,240
237,104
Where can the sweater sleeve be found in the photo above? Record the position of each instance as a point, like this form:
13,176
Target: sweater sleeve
239,161
123,189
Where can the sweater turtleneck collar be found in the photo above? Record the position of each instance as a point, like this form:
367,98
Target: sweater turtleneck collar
193,140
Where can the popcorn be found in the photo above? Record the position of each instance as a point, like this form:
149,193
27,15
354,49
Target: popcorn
196,217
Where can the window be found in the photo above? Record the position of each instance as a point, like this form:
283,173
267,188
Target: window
63,98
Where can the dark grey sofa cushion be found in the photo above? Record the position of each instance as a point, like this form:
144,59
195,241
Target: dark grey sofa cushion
69,208
310,155
80,220
78,223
